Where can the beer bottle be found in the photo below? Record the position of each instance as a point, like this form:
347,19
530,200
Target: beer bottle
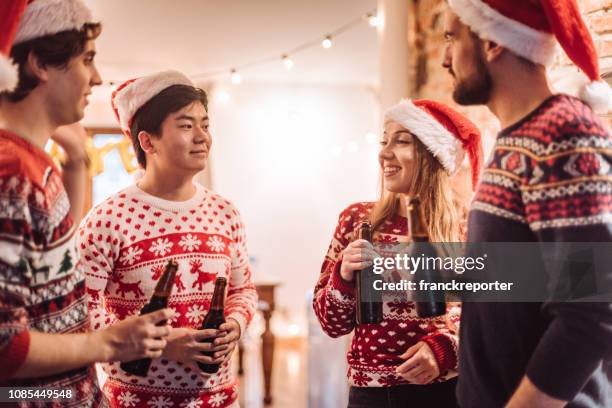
213,320
158,301
429,303
369,300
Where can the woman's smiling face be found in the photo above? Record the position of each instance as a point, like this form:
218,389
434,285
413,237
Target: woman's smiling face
397,158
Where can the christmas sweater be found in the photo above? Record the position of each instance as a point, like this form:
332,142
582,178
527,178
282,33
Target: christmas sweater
125,244
42,286
376,348
549,179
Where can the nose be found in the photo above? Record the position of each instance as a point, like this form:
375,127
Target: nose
96,79
202,136
385,153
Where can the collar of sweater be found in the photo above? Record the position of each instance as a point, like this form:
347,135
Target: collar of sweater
167,205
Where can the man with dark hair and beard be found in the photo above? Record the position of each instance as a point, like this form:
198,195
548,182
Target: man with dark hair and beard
549,179
45,340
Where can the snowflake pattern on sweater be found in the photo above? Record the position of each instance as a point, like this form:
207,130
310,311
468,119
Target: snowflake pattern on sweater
375,349
125,243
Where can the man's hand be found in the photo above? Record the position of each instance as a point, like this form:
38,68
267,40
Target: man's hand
528,395
226,342
187,345
420,366
136,337
72,138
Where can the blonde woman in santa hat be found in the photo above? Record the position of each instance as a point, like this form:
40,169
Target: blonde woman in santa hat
47,71
126,241
404,360
549,179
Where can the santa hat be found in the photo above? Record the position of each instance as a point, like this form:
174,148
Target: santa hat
10,13
446,133
532,29
21,21
134,93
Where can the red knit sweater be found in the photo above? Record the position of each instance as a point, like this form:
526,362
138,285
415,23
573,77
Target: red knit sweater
375,349
125,243
42,286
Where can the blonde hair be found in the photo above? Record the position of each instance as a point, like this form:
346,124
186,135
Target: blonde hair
431,183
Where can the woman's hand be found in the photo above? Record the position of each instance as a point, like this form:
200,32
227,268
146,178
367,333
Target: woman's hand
420,366
357,255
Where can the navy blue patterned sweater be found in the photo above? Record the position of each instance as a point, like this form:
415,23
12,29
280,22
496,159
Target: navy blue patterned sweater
550,180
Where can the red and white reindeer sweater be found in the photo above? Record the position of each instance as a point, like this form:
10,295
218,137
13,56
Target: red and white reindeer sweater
125,243
375,349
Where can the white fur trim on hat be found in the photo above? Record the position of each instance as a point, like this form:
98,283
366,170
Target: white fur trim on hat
488,23
48,17
8,74
438,140
132,97
598,95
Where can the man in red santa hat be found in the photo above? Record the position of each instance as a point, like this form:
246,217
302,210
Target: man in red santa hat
45,340
549,180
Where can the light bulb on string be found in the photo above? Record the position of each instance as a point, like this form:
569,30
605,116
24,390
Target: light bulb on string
287,62
373,19
327,42
235,77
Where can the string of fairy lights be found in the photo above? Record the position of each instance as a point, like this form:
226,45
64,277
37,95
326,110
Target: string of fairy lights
326,41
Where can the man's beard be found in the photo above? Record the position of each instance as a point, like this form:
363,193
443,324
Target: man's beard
477,89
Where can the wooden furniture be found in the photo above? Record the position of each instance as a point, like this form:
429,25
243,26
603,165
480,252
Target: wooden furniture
265,291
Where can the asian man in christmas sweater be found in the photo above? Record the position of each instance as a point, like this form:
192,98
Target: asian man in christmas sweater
126,241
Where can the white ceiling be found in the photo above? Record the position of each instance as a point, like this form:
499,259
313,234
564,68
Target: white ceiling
197,36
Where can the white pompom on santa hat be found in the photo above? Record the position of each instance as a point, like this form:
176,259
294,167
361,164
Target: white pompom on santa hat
10,14
23,20
446,133
532,29
133,94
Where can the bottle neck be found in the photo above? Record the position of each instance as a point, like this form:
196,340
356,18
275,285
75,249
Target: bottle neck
166,282
417,227
218,299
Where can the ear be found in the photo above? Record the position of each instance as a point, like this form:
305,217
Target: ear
492,50
35,68
146,142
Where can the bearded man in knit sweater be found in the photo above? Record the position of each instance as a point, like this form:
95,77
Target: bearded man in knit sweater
45,340
549,180
126,241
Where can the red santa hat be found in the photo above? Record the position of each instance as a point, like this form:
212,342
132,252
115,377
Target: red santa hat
446,133
532,29
134,93
23,20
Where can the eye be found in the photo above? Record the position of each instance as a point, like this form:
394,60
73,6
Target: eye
401,141
185,126
383,142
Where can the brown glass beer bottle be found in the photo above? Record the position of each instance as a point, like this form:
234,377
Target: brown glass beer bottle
213,320
429,303
369,300
158,301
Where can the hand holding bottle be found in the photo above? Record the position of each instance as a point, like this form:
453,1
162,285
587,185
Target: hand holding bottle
136,337
186,345
224,345
358,255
